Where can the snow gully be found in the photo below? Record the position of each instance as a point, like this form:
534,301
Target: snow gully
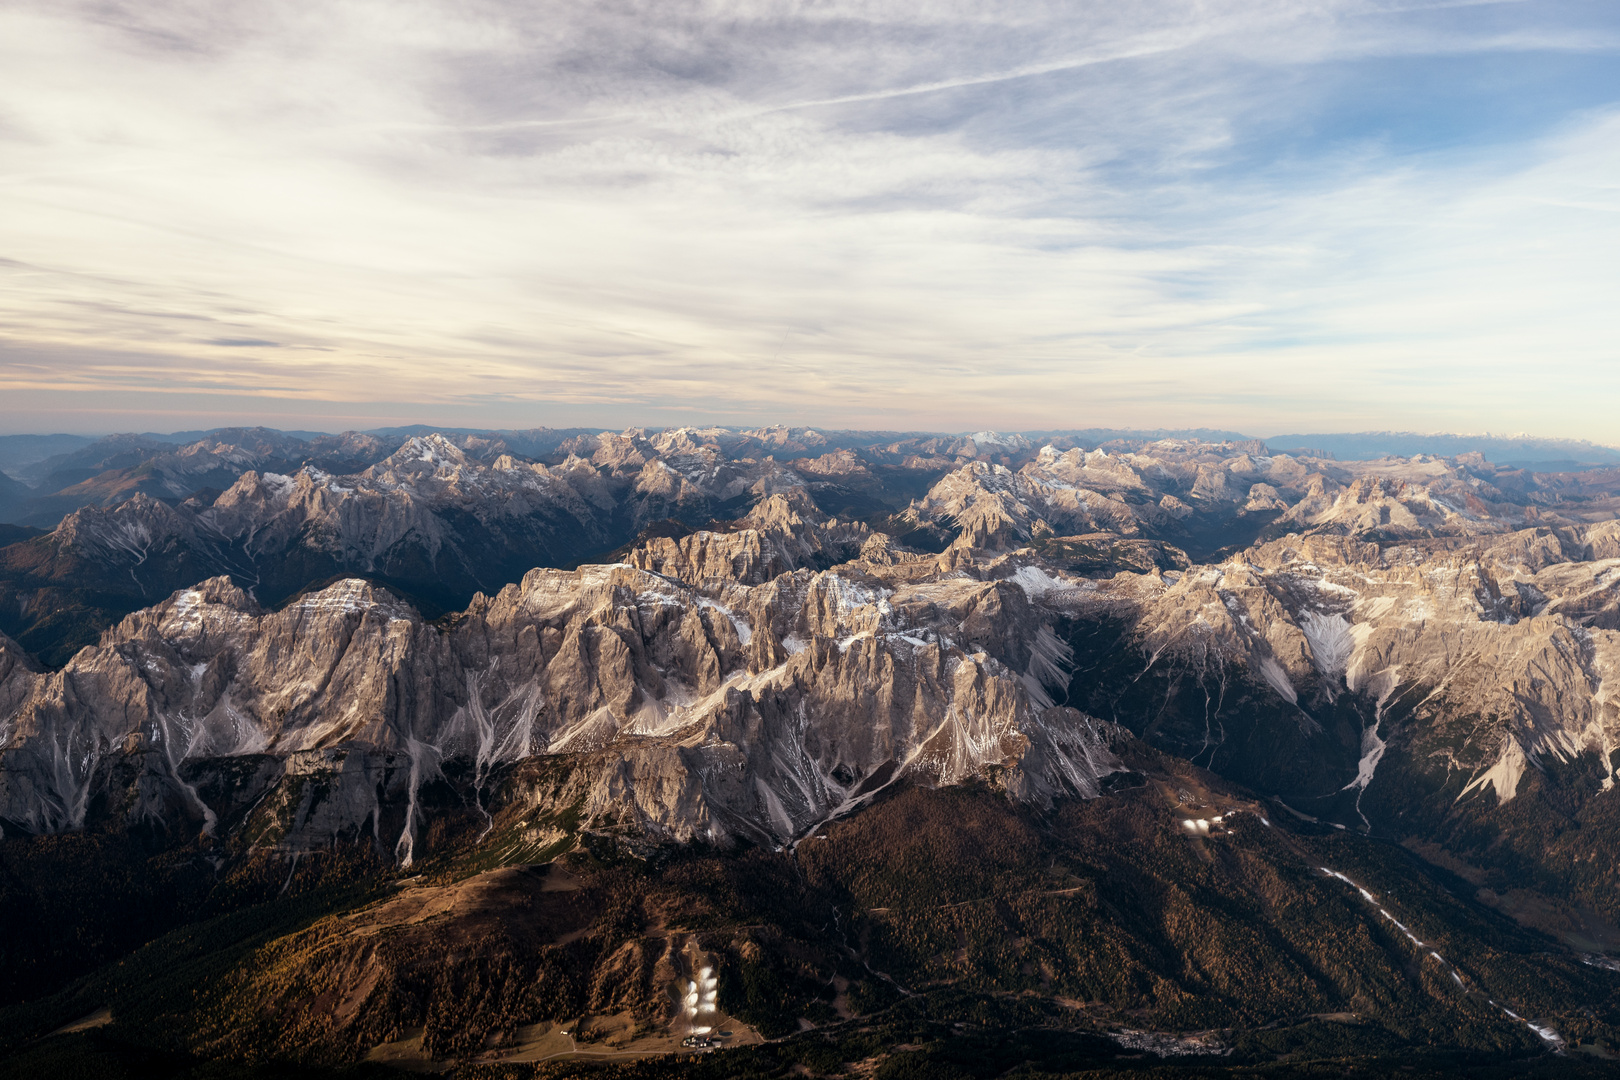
1545,1032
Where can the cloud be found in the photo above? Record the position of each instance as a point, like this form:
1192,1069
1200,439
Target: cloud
944,214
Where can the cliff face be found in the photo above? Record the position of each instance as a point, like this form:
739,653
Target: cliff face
720,712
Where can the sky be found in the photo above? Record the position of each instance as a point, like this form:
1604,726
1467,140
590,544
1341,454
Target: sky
1267,216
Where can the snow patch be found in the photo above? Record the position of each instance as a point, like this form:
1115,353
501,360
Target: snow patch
186,612
1543,1031
343,599
277,484
1372,744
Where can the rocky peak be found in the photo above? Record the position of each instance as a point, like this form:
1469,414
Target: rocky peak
423,454
784,532
839,463
786,514
134,527
620,453
745,679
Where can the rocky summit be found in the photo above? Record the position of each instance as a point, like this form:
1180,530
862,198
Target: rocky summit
849,753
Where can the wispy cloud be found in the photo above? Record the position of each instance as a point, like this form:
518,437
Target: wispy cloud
943,214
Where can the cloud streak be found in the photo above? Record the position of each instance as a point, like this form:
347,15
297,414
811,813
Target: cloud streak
942,215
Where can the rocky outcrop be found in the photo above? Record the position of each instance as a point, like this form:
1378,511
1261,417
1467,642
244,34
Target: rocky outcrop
780,534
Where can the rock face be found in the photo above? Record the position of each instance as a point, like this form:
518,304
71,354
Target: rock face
718,712
1422,648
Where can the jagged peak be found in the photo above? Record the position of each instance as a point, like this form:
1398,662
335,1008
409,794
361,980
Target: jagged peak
433,449
996,438
253,486
785,512
138,521
218,591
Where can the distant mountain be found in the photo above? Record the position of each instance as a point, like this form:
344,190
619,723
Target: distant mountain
439,517
14,498
110,470
1098,437
64,473
1542,455
18,452
436,518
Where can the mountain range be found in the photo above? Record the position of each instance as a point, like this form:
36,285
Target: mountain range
886,753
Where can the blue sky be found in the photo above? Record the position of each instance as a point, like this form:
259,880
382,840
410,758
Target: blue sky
1291,216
